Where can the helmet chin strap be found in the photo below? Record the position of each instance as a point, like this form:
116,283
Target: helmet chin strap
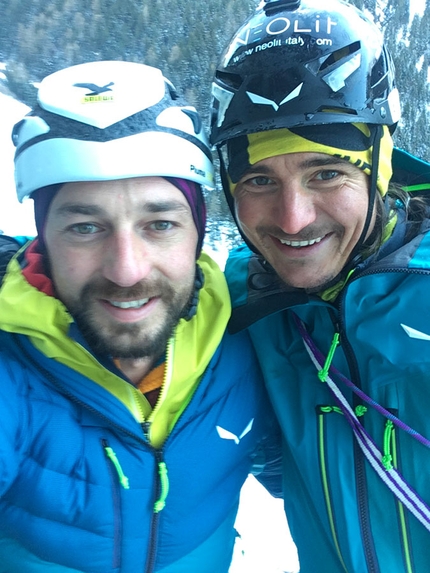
230,201
355,256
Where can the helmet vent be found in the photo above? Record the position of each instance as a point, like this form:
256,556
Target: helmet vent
379,79
171,89
272,5
339,55
195,118
229,80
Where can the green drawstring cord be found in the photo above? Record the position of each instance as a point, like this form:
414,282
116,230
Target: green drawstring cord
323,373
360,410
329,409
123,480
162,472
387,458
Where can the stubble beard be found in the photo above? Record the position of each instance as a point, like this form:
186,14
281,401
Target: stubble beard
129,340
315,285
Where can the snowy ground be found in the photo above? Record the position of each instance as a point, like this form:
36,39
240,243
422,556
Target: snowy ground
265,545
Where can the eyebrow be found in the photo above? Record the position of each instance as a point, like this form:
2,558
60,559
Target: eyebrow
306,164
323,161
95,210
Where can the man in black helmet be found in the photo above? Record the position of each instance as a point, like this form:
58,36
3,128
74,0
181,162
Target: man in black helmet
333,284
128,421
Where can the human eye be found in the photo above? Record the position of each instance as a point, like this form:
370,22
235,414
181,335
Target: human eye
161,226
327,175
257,183
85,228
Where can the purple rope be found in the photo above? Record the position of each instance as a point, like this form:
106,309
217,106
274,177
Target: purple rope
321,358
392,478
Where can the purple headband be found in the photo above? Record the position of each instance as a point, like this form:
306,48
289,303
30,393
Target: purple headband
192,192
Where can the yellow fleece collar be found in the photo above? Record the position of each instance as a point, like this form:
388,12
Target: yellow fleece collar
45,320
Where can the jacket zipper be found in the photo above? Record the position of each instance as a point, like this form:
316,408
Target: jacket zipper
160,495
391,459
322,412
161,479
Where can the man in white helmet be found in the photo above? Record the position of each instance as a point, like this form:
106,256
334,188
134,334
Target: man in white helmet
334,285
128,419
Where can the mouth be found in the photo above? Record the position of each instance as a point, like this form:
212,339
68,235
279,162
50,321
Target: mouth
126,304
129,311
301,244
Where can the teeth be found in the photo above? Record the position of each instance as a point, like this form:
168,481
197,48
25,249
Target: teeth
300,243
129,303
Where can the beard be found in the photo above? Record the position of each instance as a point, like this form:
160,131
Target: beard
146,338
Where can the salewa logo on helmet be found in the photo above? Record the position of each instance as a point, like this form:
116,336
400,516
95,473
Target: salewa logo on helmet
413,333
258,99
227,435
96,91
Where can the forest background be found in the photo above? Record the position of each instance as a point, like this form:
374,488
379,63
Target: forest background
185,39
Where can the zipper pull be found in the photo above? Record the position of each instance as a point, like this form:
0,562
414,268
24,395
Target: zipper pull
387,458
323,373
164,482
123,479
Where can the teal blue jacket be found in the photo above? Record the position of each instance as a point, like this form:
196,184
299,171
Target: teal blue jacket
342,517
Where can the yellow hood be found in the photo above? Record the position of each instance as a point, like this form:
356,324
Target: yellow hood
45,320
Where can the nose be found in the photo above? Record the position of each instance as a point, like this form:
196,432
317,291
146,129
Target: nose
295,208
127,259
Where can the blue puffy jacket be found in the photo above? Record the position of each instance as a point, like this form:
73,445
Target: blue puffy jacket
91,479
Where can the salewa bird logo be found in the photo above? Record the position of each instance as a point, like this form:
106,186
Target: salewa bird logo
96,90
413,333
227,435
258,99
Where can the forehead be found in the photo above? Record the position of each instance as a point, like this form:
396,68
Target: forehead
302,161
129,197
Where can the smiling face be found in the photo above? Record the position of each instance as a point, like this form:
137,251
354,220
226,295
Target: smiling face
122,259
305,213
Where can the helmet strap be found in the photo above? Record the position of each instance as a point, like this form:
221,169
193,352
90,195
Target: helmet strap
373,189
230,200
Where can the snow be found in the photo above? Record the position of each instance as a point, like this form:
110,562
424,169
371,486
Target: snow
15,218
264,545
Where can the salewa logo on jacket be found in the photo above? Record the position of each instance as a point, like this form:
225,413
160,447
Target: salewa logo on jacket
227,435
413,333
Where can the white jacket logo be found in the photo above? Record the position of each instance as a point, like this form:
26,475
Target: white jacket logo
412,333
227,435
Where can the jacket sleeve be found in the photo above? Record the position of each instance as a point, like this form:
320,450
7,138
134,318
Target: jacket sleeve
13,424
